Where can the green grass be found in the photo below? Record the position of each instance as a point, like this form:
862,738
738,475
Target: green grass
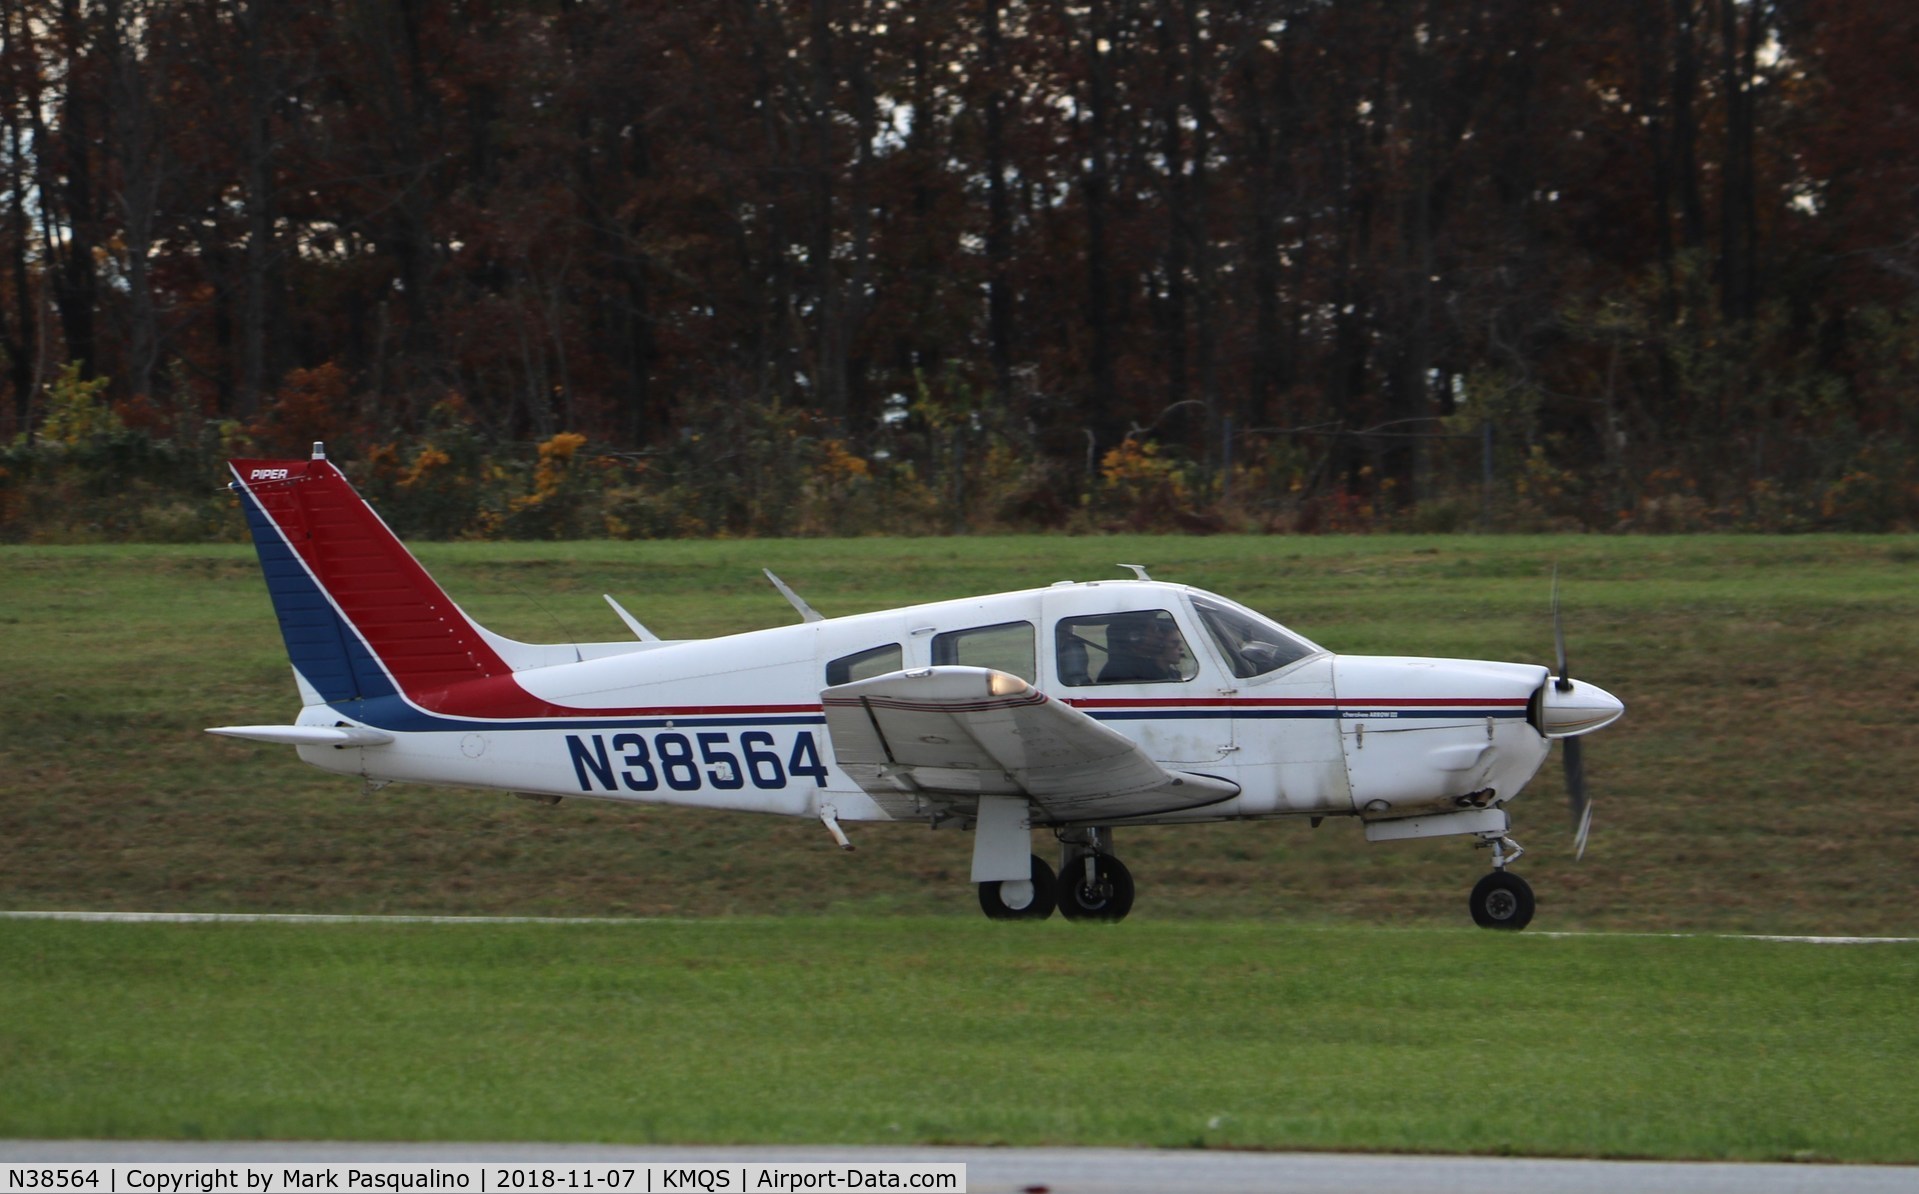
1276,986
912,1030
1759,782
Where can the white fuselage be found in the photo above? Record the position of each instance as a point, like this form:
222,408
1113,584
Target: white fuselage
737,722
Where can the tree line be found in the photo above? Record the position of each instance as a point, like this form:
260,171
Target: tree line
769,266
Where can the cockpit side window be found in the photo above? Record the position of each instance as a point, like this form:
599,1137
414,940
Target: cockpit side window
1252,645
1141,646
864,665
1005,647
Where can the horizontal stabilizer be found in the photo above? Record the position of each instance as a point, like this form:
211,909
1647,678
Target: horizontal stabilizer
305,735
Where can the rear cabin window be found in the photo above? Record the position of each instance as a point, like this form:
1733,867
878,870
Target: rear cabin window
864,665
1005,647
1142,646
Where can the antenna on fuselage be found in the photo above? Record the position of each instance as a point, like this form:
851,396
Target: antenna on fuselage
1139,571
632,623
807,612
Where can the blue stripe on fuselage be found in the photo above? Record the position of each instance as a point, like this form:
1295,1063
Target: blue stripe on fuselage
396,715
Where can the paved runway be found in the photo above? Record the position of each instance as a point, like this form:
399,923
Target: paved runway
1074,1170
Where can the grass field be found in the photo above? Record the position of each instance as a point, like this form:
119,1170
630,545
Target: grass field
1276,986
896,1030
1760,782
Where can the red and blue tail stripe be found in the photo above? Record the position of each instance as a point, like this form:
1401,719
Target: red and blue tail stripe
378,639
361,618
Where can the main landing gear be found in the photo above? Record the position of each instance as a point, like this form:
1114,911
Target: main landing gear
1020,899
1091,885
1502,900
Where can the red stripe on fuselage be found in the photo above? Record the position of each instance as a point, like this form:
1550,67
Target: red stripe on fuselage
1298,702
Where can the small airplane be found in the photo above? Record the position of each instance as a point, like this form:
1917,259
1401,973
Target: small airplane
1078,707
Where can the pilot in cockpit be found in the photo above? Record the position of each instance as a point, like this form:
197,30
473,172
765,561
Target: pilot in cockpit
1145,649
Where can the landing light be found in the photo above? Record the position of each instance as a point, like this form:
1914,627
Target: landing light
1005,684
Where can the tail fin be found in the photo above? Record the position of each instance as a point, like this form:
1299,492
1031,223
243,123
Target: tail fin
360,616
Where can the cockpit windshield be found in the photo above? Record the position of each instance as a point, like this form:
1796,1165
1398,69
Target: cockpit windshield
1253,645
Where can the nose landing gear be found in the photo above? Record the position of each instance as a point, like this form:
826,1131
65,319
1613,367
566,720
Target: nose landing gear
1096,887
1502,900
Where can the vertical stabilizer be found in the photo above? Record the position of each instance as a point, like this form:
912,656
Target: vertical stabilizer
360,616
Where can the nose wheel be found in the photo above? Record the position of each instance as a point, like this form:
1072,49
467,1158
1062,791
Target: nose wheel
1502,900
1095,887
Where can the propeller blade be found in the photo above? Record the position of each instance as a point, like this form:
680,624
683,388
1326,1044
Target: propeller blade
1564,684
1573,753
1577,801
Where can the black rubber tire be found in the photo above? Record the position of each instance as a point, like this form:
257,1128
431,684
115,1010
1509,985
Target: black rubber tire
1038,908
1110,899
1502,900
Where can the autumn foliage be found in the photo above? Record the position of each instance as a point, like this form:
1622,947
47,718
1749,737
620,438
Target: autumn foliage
855,266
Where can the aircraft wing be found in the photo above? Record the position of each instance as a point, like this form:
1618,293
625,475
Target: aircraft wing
944,735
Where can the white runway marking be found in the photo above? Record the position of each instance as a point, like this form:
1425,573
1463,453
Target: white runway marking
323,918
1799,940
309,918
1826,940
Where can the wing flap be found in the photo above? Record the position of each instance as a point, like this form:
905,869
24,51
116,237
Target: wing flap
952,733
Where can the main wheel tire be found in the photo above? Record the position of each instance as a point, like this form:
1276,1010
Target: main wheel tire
1109,897
1012,899
1502,900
